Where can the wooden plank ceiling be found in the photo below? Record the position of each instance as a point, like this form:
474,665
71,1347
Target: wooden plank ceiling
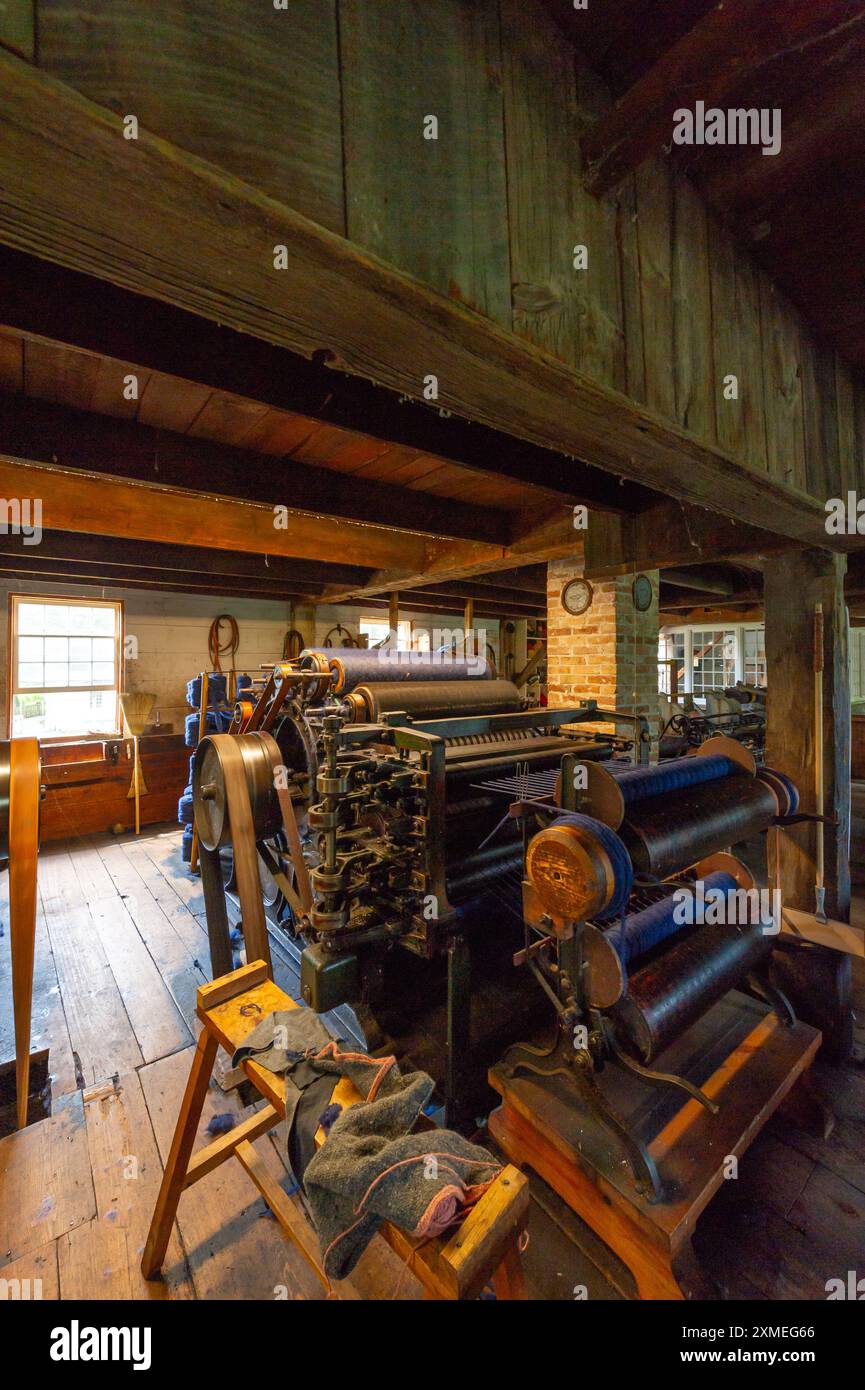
800,211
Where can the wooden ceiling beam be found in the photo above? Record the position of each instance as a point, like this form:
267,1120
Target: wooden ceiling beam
549,536
101,505
672,535
132,555
52,303
711,62
50,433
59,573
161,222
710,582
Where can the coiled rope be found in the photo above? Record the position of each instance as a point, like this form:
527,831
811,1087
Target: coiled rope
216,648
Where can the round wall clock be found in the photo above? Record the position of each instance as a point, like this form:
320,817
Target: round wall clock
577,596
643,593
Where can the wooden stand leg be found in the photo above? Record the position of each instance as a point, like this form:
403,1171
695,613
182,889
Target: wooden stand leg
807,1108
509,1281
174,1177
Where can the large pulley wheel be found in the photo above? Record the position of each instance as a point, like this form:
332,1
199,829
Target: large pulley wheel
20,777
218,759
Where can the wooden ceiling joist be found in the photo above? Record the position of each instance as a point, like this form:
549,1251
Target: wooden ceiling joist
163,223
80,502
44,432
710,62
52,304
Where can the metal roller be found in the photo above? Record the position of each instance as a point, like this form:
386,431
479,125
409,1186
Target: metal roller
613,790
606,964
579,868
354,666
439,699
669,994
663,834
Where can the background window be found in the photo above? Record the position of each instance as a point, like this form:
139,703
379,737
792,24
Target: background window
671,647
376,631
65,667
714,659
754,663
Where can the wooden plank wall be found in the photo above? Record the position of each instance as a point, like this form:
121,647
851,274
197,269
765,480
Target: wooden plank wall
322,104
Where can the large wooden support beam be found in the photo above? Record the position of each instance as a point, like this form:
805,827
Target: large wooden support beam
49,302
711,63
707,580
793,586
50,433
92,504
671,534
156,220
181,561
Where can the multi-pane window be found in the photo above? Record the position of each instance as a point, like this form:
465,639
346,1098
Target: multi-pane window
671,649
754,659
65,667
713,660
376,631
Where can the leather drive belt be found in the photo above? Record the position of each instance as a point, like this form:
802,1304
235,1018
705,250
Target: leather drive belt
20,791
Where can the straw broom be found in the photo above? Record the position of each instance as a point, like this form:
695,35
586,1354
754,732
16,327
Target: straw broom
136,708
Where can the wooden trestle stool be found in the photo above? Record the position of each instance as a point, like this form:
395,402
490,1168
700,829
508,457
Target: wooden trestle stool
459,1265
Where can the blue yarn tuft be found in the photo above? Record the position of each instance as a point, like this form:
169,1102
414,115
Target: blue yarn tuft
329,1114
222,1124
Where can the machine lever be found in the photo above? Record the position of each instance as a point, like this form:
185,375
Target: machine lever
661,1078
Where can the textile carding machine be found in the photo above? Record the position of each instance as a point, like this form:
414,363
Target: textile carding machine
359,797
673,1045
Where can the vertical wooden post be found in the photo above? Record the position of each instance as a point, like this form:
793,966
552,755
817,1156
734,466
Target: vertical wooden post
468,624
393,616
793,586
202,730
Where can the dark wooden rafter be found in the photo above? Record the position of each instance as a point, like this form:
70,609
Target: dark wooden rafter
57,206
81,549
49,433
672,535
711,62
46,301
98,504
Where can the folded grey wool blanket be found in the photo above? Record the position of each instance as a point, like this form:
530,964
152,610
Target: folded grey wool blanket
371,1169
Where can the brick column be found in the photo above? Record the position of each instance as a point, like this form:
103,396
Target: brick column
609,653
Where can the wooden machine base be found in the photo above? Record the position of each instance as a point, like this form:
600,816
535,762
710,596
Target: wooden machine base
741,1056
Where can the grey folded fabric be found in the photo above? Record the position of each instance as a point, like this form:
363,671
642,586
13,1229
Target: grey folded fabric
371,1169
284,1042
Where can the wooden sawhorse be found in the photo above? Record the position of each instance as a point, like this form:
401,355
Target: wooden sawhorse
459,1265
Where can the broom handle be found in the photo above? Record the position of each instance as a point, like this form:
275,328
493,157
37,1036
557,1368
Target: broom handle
135,783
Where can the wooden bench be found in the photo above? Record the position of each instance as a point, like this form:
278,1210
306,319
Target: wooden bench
459,1265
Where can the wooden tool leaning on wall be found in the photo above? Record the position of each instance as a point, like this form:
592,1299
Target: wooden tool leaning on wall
20,792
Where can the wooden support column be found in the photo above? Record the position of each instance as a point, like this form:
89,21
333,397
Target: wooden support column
393,617
793,585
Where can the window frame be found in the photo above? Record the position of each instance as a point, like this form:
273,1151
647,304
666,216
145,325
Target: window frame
687,630
77,601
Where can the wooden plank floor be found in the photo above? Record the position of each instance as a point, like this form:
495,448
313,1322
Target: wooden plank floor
121,951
